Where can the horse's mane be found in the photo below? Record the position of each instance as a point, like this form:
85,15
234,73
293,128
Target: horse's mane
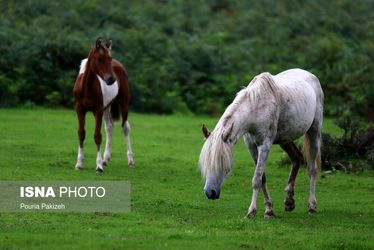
84,67
216,155
261,87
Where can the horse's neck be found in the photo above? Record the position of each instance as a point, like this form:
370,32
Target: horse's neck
237,116
88,79
251,109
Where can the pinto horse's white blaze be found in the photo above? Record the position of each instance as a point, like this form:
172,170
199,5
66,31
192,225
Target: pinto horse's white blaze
270,110
109,91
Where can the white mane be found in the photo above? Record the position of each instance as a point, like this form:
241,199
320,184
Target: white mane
82,67
216,155
260,87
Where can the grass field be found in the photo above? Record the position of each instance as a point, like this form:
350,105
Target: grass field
168,207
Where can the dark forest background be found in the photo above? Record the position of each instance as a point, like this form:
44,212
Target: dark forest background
188,56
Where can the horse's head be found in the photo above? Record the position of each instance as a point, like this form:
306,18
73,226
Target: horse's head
101,61
215,160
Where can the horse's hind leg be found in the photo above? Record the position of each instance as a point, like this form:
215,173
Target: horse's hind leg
267,199
296,157
126,130
312,142
108,128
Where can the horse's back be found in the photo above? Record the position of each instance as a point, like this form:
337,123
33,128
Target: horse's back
119,69
300,77
301,102
293,75
299,81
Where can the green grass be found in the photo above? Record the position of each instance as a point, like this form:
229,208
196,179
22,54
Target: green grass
168,208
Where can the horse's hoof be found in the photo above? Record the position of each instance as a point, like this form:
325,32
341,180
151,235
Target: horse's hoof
78,167
289,208
131,164
269,215
251,214
312,210
289,204
99,170
106,160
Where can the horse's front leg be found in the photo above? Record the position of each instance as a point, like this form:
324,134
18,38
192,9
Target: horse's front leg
81,114
108,143
252,148
268,203
257,180
97,136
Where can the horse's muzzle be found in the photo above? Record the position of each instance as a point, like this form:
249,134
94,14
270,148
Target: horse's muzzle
212,194
110,80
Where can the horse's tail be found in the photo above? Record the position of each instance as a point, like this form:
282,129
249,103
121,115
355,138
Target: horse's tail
306,153
115,110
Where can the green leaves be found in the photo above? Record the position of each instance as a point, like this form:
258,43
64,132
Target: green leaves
194,55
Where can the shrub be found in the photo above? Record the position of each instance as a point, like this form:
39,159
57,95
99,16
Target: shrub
351,152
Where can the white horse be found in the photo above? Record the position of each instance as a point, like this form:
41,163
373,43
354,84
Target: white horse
270,110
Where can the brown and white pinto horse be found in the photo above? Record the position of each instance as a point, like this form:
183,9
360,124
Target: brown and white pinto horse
102,87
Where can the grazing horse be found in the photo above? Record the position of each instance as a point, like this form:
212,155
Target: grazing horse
102,87
270,110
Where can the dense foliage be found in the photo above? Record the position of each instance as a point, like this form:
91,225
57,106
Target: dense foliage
353,151
188,55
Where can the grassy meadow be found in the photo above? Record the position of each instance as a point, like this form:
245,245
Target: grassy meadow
168,207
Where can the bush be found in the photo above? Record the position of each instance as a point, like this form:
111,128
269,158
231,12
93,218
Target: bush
353,151
189,54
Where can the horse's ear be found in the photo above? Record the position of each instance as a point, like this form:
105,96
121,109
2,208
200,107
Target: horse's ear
109,44
99,41
206,132
226,134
